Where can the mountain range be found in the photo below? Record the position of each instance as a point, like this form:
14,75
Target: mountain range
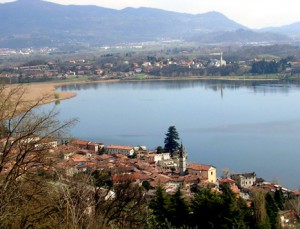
34,23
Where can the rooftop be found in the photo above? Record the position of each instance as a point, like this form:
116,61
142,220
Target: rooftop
199,167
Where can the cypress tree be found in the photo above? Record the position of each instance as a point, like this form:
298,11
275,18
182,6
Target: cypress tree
279,199
272,211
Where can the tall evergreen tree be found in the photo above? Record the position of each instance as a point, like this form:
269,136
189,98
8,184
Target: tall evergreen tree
171,140
232,214
259,209
279,199
178,210
159,205
207,208
272,211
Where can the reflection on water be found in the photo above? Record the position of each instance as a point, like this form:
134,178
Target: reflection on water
259,86
244,125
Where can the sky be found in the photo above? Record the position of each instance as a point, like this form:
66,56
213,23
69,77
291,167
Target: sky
251,13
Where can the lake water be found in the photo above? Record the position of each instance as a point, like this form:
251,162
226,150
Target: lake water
244,126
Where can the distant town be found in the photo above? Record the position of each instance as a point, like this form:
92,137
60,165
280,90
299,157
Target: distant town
139,62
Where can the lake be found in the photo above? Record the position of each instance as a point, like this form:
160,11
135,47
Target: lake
241,125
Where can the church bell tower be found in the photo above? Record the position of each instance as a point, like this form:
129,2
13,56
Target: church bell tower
182,160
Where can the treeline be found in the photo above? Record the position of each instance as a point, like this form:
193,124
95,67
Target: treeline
270,67
213,209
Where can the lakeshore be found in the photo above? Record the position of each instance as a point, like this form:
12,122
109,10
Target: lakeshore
48,89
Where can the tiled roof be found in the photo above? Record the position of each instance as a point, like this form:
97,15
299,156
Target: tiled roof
296,192
79,142
125,177
246,175
227,180
119,147
199,167
79,159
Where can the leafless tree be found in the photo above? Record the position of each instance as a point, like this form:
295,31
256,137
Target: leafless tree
24,133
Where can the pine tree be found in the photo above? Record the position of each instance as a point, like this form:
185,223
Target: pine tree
178,210
159,205
272,211
171,140
207,208
279,199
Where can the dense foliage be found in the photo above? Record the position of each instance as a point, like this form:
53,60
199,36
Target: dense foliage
270,67
171,140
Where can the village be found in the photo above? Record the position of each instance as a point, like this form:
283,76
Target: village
183,62
148,168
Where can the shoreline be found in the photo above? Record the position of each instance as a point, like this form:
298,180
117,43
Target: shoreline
49,89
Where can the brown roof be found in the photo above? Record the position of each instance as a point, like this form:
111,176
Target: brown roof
296,192
79,159
120,147
125,177
227,180
199,167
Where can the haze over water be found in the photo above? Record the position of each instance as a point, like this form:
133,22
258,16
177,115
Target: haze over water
243,126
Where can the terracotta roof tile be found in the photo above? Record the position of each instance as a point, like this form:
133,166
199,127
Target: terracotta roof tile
119,147
199,167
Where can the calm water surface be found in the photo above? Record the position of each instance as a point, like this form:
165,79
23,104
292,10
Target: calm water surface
244,126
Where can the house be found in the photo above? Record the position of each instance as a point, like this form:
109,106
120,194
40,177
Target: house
288,219
119,179
46,143
204,172
137,70
191,181
125,150
244,180
295,193
83,144
161,157
232,185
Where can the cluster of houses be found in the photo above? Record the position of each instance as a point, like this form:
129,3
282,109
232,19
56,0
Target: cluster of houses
77,67
140,165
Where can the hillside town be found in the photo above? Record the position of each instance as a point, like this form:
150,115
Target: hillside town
147,168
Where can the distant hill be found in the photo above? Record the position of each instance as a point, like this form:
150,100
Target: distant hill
290,30
26,23
242,36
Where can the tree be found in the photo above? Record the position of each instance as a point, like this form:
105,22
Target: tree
171,140
293,203
23,153
159,150
259,209
233,209
279,198
207,208
178,210
272,211
159,206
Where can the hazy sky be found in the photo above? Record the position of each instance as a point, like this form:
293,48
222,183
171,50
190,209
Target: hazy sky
251,13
